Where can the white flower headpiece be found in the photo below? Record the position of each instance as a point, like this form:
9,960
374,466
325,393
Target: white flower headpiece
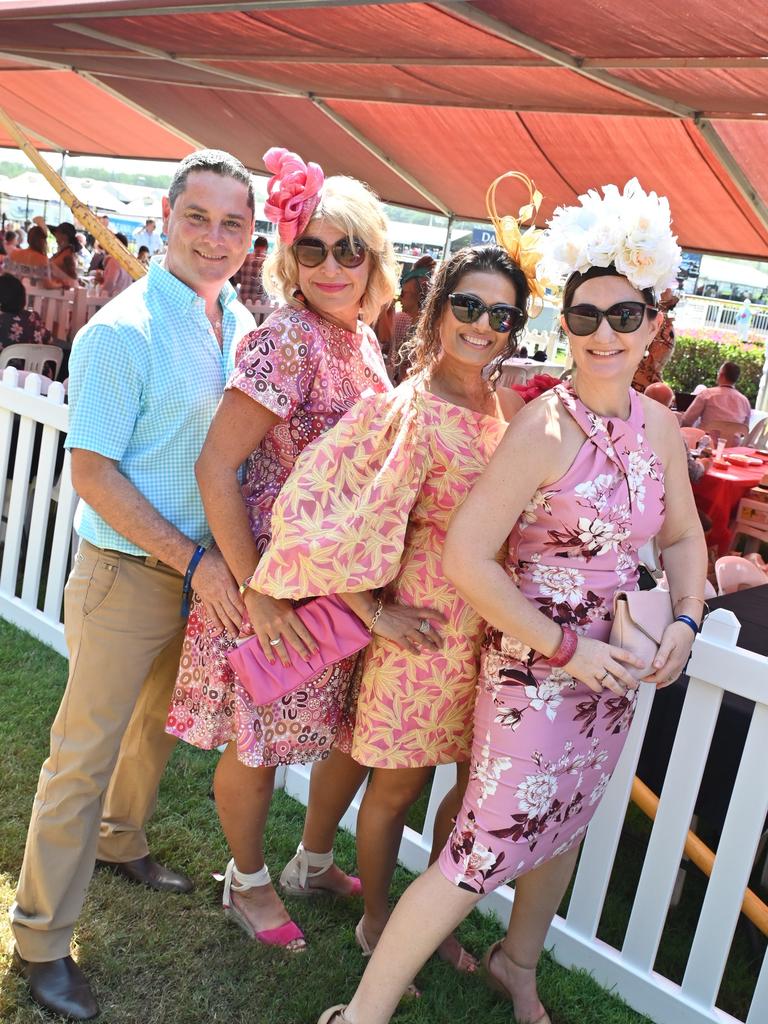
630,229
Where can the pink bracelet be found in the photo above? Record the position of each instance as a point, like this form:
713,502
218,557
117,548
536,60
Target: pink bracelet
566,650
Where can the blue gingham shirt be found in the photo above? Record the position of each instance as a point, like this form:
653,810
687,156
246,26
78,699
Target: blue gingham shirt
145,378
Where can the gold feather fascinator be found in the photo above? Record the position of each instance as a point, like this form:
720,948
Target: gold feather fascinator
522,245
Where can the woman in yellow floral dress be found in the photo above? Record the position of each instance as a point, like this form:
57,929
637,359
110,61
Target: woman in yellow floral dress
384,483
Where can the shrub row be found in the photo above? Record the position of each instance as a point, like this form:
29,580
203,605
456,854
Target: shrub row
696,361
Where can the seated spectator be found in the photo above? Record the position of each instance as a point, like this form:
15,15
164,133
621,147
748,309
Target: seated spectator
97,260
116,278
722,402
540,356
31,262
19,325
10,242
522,352
249,274
143,256
83,258
63,263
697,467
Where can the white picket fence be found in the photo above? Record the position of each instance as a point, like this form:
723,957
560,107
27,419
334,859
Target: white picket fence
37,513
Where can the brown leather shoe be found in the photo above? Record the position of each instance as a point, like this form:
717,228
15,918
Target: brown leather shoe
146,871
58,985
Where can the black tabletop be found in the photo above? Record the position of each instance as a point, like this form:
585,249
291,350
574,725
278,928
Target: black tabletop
751,609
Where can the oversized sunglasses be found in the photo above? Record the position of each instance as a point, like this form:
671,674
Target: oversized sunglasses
623,317
311,252
502,318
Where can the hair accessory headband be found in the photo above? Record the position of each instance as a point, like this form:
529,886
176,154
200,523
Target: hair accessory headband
524,247
293,192
630,229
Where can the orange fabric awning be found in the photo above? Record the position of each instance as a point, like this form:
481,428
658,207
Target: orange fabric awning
425,101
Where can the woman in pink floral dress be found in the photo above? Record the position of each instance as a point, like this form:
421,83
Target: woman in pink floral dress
584,476
295,377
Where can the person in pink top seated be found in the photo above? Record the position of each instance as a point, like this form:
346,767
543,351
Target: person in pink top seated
722,402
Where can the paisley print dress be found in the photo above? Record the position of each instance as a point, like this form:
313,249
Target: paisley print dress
309,373
545,745
384,484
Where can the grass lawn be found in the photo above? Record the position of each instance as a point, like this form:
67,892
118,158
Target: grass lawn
161,959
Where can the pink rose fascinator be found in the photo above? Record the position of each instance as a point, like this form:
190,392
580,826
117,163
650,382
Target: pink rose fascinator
293,192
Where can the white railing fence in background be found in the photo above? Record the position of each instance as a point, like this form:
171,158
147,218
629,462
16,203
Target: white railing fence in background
37,505
36,552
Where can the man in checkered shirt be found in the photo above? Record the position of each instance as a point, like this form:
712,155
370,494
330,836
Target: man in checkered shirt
146,375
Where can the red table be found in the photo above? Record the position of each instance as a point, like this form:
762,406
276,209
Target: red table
719,492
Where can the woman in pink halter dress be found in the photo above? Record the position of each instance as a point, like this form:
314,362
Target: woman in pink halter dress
583,477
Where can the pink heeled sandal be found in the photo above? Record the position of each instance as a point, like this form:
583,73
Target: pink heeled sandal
287,936
295,876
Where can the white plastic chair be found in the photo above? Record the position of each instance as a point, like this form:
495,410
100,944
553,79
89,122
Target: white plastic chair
33,357
758,436
735,573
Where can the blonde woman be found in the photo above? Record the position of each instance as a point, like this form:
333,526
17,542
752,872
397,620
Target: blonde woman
309,362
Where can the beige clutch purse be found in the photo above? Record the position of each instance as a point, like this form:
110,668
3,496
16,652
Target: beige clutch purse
639,620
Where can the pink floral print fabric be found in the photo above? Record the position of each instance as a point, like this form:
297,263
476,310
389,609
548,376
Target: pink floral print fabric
545,745
309,373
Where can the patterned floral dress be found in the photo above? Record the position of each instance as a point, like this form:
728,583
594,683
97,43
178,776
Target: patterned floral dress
309,373
385,482
545,745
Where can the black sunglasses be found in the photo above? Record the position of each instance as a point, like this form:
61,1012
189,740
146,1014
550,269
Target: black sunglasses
311,252
502,318
623,317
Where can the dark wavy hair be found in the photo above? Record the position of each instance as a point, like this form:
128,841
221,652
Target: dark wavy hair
422,350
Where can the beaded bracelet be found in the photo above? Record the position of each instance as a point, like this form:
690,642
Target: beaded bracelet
689,622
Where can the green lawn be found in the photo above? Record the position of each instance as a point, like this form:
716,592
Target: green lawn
157,959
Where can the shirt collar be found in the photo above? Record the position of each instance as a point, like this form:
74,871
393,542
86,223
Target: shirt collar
180,293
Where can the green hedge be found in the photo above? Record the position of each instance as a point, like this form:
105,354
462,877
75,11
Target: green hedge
696,361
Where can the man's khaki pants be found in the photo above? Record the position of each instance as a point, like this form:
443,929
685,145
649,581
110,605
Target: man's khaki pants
108,745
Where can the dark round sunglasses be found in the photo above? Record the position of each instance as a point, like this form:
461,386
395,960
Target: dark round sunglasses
502,318
623,317
311,252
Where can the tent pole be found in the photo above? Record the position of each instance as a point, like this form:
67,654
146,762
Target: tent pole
447,246
81,212
374,150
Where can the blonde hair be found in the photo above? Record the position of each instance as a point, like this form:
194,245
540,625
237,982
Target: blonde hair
351,207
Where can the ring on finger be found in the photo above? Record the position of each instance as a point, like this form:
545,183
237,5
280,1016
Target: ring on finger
424,626
276,642
603,676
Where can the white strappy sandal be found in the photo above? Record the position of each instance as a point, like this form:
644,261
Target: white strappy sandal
288,936
295,876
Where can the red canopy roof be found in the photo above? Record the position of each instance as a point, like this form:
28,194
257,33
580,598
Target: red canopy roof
428,102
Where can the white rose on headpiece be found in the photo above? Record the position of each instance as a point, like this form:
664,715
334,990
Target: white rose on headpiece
630,229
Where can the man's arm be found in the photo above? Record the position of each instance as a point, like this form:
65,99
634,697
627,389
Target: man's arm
122,506
694,411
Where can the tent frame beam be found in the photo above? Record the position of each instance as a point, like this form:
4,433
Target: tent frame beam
498,28
418,60
734,169
205,7
374,150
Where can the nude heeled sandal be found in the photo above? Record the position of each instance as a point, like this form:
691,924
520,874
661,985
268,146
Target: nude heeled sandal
295,876
498,986
334,1015
288,936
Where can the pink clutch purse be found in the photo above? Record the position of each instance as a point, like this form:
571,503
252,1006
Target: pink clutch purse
338,633
639,620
